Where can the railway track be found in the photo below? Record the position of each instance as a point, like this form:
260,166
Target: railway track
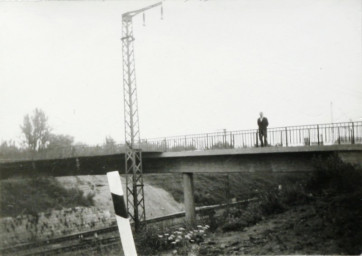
99,237
77,236
86,244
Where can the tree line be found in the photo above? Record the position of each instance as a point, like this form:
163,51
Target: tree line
39,142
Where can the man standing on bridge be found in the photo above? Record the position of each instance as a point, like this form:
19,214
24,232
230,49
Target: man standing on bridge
263,124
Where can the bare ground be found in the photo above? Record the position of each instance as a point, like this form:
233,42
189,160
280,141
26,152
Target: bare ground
158,201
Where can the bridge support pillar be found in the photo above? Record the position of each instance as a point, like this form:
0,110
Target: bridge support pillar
189,200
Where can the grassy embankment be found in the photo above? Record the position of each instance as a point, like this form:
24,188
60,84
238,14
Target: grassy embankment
38,194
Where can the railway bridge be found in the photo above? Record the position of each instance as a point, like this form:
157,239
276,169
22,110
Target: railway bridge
290,149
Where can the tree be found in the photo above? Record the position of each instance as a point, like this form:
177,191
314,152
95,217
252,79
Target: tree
36,130
110,146
60,141
60,145
8,150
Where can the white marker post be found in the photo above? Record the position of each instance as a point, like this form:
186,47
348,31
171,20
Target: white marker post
124,226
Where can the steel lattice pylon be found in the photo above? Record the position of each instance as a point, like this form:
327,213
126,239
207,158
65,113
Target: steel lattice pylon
133,155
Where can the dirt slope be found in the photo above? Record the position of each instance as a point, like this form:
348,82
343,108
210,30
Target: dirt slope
158,201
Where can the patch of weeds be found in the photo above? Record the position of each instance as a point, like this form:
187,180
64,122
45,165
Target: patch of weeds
240,217
293,194
152,240
272,201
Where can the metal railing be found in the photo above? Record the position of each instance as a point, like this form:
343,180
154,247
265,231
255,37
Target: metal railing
289,136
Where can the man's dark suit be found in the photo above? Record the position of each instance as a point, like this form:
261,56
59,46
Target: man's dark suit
263,131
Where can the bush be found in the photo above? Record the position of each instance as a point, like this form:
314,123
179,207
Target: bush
270,203
334,176
340,184
240,217
279,199
293,194
148,242
342,212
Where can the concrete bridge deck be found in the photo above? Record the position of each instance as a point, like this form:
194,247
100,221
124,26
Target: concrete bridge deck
267,159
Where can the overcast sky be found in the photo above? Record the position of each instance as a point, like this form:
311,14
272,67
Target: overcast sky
208,65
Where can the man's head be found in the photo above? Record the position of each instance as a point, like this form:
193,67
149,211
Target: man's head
261,114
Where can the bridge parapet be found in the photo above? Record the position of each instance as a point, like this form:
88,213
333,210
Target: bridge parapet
289,136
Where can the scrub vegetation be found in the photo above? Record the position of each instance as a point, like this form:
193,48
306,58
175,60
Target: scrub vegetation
314,213
39,194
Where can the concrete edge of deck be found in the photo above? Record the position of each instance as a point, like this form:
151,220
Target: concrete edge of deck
260,150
